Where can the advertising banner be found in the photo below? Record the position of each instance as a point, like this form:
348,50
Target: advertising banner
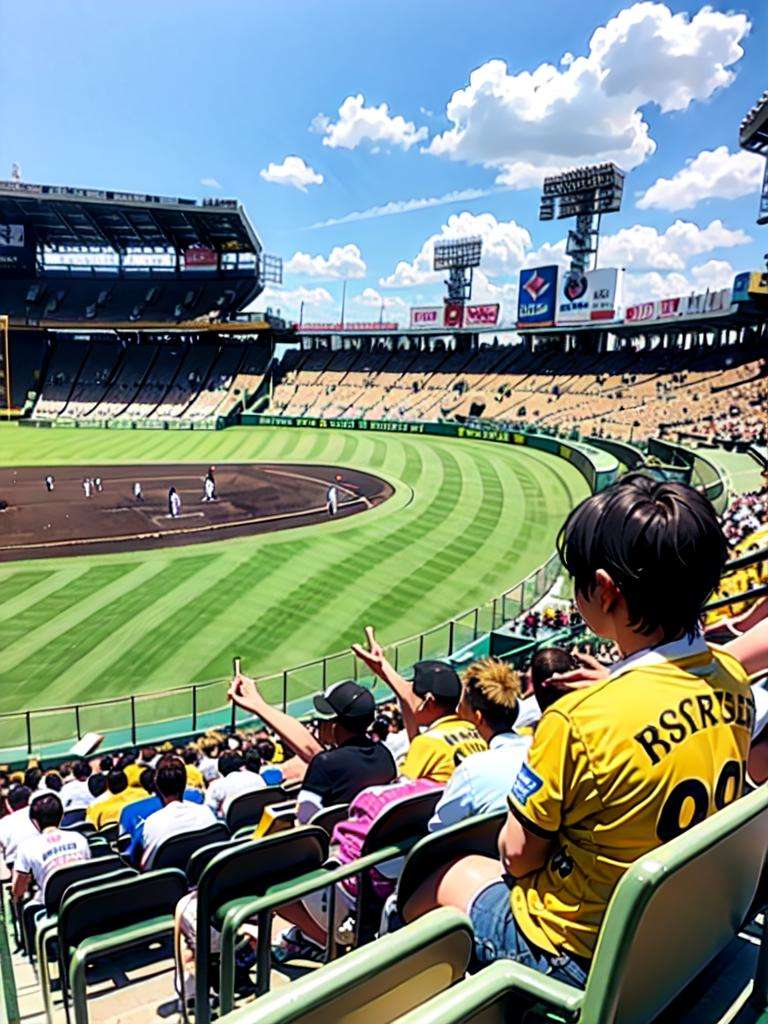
536,297
426,316
200,256
585,297
482,316
17,251
643,311
670,307
323,328
454,314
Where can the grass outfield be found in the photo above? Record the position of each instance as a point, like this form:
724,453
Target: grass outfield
468,520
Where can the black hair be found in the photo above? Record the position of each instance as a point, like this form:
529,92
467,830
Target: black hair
380,728
252,760
53,782
266,749
544,664
147,779
19,797
32,777
107,763
171,776
230,762
97,784
660,543
46,811
190,755
81,770
117,781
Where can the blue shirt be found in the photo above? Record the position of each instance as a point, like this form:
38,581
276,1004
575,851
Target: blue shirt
134,815
481,783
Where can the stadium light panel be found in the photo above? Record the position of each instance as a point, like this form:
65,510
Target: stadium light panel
461,253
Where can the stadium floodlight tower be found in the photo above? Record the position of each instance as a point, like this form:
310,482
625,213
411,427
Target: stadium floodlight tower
585,193
459,256
753,136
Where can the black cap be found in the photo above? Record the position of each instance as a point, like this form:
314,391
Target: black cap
345,700
437,678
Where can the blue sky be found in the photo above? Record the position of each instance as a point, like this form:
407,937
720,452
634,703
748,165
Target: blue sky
187,97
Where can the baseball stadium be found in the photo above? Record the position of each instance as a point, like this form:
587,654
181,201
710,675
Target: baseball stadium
399,668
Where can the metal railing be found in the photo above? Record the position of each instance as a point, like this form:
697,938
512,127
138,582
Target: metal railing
181,711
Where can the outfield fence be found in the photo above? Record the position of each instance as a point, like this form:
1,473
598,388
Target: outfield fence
144,718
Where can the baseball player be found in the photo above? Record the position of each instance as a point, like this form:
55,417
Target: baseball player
174,503
209,486
87,485
49,482
138,496
332,500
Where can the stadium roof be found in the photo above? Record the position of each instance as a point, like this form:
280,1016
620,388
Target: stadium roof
61,217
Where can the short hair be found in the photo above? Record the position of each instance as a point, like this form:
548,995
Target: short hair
18,797
46,811
32,777
97,784
266,749
147,779
252,760
492,688
230,762
117,781
660,543
107,763
81,770
171,776
53,782
190,755
545,663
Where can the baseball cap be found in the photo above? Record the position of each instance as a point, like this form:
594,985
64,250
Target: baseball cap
346,699
437,678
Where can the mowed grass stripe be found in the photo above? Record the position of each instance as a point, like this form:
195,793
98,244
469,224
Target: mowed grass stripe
18,582
86,634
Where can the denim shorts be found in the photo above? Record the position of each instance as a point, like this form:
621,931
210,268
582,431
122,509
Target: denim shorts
497,937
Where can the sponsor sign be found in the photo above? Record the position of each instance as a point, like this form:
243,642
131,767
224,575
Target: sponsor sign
589,296
536,297
12,236
643,311
482,316
323,328
17,252
454,314
670,307
426,316
200,256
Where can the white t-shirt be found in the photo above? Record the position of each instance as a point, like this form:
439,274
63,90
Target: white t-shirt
398,744
222,791
75,795
14,829
42,854
172,820
209,766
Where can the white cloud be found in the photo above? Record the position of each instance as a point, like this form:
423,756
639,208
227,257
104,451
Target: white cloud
318,302
370,299
357,123
504,246
712,174
641,247
714,274
343,261
210,183
590,108
292,171
398,206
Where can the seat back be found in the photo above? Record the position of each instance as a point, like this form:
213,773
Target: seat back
118,904
73,817
109,832
475,835
86,828
329,817
63,878
247,808
379,982
175,851
402,820
250,868
674,911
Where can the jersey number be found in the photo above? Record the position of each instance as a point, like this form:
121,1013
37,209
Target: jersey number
693,796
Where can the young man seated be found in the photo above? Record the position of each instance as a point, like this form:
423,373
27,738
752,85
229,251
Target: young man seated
439,739
480,784
50,848
177,815
618,767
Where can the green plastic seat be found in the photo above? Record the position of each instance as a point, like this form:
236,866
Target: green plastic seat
236,875
175,851
248,808
108,918
479,834
669,917
376,983
329,817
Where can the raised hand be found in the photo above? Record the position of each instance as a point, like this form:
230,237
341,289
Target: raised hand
372,656
244,692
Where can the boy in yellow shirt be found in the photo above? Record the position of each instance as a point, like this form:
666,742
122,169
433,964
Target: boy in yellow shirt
620,766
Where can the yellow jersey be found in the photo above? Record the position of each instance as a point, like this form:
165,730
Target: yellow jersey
436,752
620,767
105,812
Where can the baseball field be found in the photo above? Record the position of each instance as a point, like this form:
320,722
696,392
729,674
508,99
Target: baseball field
467,519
